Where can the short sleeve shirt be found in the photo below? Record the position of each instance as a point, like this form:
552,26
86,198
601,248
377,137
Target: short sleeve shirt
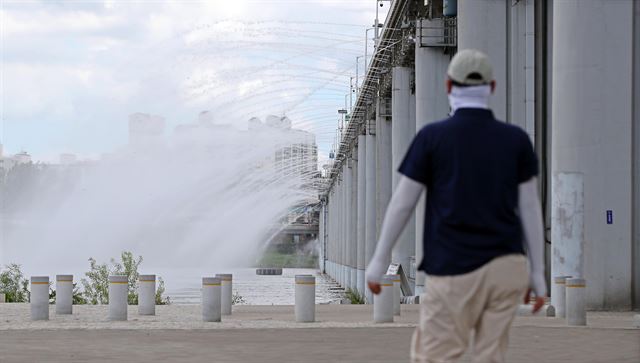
471,165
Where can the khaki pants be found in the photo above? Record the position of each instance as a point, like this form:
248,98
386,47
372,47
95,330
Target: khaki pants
484,300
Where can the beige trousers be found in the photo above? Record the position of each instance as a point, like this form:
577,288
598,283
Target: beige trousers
483,301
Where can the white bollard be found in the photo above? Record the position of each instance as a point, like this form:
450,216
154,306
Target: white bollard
64,294
211,303
226,292
305,298
558,295
147,294
383,302
576,306
39,297
527,310
636,321
118,299
3,298
397,292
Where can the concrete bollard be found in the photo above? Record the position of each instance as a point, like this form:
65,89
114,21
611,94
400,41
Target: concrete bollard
147,295
558,295
118,299
383,302
64,294
39,297
527,310
636,321
397,294
211,303
3,298
226,292
305,298
575,302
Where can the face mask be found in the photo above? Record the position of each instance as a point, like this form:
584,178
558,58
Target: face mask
469,97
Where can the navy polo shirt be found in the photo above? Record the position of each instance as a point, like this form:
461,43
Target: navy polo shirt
471,165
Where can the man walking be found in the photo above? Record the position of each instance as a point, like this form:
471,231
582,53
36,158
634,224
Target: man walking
482,210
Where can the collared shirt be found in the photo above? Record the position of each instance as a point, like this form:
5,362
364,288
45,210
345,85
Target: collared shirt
471,165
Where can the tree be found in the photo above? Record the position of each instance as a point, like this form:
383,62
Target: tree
13,284
129,268
96,285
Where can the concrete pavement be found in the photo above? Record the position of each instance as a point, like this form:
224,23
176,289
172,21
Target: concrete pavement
344,334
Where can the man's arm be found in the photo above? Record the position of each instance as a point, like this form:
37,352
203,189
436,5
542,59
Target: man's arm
398,212
531,216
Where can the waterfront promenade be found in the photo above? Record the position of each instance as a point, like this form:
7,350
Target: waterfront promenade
343,333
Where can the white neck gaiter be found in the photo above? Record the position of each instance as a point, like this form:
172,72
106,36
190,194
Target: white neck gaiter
469,97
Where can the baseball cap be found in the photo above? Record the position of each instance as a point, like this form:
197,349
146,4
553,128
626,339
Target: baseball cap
470,67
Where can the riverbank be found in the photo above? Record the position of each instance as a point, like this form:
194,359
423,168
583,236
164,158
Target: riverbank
285,260
184,287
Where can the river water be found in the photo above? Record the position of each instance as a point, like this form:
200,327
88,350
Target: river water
254,289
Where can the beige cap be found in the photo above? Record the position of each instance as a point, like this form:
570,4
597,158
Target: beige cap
470,67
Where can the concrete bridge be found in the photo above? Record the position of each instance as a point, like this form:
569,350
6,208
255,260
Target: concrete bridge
583,88
301,228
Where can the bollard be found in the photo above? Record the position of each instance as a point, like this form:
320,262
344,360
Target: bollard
3,298
575,302
397,292
147,294
211,303
118,299
527,310
64,294
558,294
636,321
305,298
226,292
39,298
383,302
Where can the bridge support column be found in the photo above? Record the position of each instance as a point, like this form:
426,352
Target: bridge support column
482,25
362,147
353,218
370,202
343,218
348,242
403,129
593,147
432,104
383,162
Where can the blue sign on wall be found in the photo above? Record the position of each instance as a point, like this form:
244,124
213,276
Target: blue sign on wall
609,217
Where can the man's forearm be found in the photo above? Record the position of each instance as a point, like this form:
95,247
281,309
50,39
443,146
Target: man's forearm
398,212
533,228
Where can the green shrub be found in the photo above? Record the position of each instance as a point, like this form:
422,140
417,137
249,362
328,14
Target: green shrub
13,284
77,296
159,292
128,267
237,299
354,296
96,285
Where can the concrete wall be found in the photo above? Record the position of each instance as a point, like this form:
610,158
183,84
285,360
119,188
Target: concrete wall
592,135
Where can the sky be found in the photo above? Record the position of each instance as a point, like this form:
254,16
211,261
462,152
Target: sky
72,71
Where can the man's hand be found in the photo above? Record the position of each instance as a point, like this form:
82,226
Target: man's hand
537,305
374,287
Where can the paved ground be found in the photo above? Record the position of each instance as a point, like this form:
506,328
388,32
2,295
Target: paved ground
343,335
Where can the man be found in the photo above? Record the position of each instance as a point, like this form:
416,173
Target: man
482,207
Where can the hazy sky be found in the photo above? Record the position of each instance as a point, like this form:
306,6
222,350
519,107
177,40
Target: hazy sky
72,71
